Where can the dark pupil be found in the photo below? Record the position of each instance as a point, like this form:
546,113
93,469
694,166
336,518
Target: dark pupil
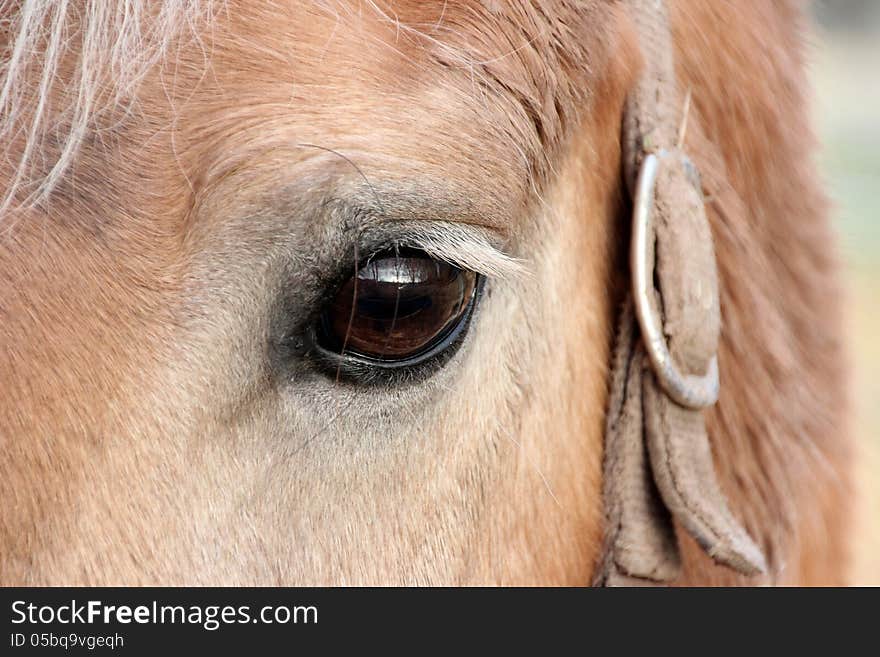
397,306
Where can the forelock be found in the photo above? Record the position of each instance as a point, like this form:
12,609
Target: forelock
62,64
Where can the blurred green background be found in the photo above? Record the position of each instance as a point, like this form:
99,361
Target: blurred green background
845,65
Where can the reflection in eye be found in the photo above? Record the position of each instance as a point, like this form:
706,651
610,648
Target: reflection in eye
399,306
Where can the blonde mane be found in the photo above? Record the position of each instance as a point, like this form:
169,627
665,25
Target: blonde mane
103,49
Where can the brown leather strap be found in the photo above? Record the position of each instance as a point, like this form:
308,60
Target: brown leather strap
658,460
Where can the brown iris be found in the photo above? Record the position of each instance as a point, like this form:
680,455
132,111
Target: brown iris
397,307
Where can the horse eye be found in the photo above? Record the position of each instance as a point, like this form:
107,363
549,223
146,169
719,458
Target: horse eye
398,309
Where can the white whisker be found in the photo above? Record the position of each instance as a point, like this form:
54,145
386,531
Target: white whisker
507,435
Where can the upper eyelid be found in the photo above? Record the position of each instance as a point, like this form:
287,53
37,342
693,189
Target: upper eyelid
465,246
428,217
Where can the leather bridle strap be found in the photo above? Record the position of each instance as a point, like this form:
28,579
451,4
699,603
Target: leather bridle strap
658,468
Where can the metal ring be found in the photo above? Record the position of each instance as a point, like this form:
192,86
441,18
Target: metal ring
689,390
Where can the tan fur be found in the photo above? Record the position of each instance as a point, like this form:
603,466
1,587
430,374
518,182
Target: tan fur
145,439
